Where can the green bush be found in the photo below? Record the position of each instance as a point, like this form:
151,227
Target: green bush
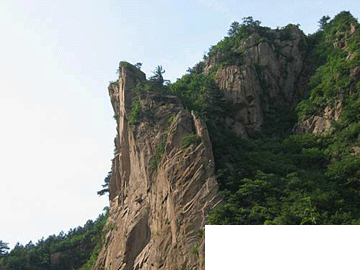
155,159
189,139
197,92
135,111
195,250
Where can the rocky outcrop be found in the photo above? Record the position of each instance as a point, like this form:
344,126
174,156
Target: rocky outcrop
273,72
162,183
319,124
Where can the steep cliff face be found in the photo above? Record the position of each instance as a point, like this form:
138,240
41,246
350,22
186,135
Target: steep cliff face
272,71
162,183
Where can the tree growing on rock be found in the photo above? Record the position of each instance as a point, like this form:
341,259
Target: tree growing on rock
106,185
249,21
323,22
157,79
138,65
233,28
158,75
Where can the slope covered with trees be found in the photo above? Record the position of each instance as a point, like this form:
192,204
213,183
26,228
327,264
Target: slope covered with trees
281,175
286,178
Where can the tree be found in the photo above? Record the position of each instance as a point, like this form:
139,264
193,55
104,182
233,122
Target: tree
138,65
106,185
89,224
249,21
3,248
30,245
197,69
18,245
158,78
323,22
233,28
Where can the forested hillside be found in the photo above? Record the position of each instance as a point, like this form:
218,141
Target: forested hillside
302,165
291,173
76,249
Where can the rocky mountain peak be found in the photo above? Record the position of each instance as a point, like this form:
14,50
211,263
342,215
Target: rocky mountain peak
271,70
162,183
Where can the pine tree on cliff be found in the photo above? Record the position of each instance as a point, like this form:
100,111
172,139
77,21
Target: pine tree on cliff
106,185
233,28
138,65
158,78
323,22
249,21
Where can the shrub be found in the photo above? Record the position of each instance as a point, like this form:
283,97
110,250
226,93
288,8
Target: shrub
155,160
197,92
195,250
135,111
189,139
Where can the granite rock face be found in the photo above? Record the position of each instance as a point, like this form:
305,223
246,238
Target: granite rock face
162,183
272,73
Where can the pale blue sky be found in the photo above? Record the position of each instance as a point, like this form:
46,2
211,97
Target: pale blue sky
56,59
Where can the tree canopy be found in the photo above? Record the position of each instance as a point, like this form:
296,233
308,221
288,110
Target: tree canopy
249,21
73,250
233,28
323,22
158,78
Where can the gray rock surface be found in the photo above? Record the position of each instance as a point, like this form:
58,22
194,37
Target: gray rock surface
272,73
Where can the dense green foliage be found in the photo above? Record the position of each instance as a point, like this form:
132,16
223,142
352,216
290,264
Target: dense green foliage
287,181
302,179
276,177
336,50
197,92
59,252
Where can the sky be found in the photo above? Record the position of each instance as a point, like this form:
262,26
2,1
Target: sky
56,60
